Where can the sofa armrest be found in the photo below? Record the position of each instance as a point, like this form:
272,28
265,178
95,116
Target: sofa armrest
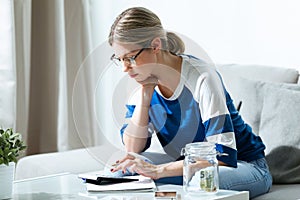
73,161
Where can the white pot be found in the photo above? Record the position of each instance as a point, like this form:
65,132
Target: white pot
6,180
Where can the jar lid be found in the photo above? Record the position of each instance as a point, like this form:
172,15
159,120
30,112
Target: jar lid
204,148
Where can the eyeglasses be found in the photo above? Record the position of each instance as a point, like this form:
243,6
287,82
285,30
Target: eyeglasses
126,60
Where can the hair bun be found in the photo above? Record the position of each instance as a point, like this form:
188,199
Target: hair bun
175,44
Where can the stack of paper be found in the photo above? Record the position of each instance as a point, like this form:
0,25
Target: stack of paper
139,184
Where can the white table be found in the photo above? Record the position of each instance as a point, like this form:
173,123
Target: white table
69,186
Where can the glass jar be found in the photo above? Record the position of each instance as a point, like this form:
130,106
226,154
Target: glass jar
200,168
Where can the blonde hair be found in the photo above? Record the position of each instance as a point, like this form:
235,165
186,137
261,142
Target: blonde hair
140,26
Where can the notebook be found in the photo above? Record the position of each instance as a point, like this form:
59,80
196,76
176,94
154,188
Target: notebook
96,182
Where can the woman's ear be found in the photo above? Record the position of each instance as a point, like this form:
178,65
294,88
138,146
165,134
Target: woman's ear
156,44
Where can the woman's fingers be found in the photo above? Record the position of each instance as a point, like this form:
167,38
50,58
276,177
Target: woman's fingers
136,167
126,164
128,156
122,166
123,163
135,155
132,168
135,163
131,164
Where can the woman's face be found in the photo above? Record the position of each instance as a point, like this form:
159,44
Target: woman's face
145,60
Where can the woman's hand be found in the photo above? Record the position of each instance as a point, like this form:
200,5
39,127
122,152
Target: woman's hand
147,90
151,81
135,164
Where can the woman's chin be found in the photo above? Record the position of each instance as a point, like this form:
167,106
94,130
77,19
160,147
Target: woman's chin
139,79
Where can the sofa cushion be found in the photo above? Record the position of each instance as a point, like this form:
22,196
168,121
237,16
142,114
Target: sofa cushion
284,165
280,118
252,93
280,132
233,77
258,72
231,74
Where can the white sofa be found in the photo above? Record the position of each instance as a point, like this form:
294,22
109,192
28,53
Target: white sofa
270,104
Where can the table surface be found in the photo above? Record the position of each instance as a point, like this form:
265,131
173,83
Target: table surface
69,186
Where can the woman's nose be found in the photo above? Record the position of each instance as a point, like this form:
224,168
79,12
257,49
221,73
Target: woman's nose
126,67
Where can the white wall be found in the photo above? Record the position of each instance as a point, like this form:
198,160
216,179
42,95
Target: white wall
231,31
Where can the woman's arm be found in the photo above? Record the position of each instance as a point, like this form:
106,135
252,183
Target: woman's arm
176,168
170,169
135,163
136,133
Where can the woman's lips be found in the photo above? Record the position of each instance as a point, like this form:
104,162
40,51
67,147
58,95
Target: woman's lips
133,75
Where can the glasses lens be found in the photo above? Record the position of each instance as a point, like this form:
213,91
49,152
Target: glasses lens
127,61
132,61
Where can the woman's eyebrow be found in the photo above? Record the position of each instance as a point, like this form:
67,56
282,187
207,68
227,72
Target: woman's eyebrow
126,54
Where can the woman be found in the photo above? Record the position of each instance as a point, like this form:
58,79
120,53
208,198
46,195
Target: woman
183,100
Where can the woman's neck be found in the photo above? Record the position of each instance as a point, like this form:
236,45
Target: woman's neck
168,73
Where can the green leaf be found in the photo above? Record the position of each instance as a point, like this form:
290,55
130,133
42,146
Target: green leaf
10,145
14,135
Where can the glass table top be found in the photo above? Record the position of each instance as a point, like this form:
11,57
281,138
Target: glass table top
69,186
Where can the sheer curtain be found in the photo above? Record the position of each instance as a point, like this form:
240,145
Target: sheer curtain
7,72
52,41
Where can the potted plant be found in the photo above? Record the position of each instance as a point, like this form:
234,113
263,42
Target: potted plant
11,145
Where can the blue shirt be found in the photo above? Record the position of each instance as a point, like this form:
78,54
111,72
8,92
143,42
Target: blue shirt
201,109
